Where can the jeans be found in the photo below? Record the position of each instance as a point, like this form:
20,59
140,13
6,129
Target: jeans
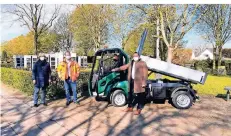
139,98
73,85
43,95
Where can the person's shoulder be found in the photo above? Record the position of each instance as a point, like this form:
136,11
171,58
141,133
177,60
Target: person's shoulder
75,62
143,62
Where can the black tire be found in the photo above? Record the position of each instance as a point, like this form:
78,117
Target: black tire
182,105
115,98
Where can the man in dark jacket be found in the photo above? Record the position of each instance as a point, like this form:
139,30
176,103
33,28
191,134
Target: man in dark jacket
41,76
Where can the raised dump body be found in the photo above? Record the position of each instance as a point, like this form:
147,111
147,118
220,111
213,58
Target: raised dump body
175,71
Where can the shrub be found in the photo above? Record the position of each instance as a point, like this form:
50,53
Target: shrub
204,65
7,65
22,80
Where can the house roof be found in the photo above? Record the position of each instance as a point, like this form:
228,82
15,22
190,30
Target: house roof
226,52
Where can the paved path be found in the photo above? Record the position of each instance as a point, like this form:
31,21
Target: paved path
209,117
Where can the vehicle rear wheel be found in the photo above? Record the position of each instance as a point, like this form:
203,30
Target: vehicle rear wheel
118,98
182,100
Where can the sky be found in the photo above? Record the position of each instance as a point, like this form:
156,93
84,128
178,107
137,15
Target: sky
10,30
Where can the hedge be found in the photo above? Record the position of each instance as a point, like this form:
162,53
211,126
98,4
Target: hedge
22,80
207,65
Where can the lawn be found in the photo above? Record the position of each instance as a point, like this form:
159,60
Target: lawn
214,85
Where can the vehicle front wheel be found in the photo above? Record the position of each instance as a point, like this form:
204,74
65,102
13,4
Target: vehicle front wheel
182,100
118,98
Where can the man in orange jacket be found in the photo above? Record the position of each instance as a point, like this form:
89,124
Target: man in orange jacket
68,71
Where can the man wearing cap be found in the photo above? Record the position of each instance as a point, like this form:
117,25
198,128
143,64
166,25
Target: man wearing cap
41,76
68,71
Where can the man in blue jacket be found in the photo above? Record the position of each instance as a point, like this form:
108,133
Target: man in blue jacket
41,76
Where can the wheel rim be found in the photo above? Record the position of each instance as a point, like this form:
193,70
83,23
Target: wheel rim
119,99
183,100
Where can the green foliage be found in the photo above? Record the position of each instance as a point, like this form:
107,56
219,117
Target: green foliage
204,65
7,65
132,43
47,42
89,24
22,80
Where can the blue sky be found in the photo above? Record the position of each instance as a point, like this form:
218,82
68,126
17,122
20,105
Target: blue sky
9,31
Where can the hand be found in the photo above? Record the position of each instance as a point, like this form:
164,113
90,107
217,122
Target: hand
113,70
34,81
49,80
143,86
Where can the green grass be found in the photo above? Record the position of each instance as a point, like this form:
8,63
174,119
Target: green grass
214,85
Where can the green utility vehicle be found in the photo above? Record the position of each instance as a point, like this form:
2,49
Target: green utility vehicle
113,86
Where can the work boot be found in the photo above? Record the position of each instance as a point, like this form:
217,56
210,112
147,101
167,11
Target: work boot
129,109
67,103
138,111
35,105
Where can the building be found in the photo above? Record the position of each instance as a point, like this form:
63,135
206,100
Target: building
27,61
208,54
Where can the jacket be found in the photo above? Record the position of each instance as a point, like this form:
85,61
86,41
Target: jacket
141,75
41,72
62,70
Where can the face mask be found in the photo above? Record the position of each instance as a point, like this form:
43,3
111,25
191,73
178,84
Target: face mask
42,58
68,57
135,58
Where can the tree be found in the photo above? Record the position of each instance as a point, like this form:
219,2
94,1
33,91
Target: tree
132,43
91,21
4,55
216,28
34,17
198,49
175,22
126,19
63,32
21,45
181,56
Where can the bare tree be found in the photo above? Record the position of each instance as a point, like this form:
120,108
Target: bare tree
34,17
216,28
126,20
198,49
177,20
62,30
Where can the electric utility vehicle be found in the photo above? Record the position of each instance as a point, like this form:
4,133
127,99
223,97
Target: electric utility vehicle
113,86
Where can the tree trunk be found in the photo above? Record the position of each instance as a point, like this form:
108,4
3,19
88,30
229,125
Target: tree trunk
158,39
219,56
170,51
36,43
214,59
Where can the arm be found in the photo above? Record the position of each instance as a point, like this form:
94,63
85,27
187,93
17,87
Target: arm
49,71
34,72
77,69
122,68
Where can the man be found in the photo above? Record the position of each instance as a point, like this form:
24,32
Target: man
116,61
68,71
41,76
137,76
